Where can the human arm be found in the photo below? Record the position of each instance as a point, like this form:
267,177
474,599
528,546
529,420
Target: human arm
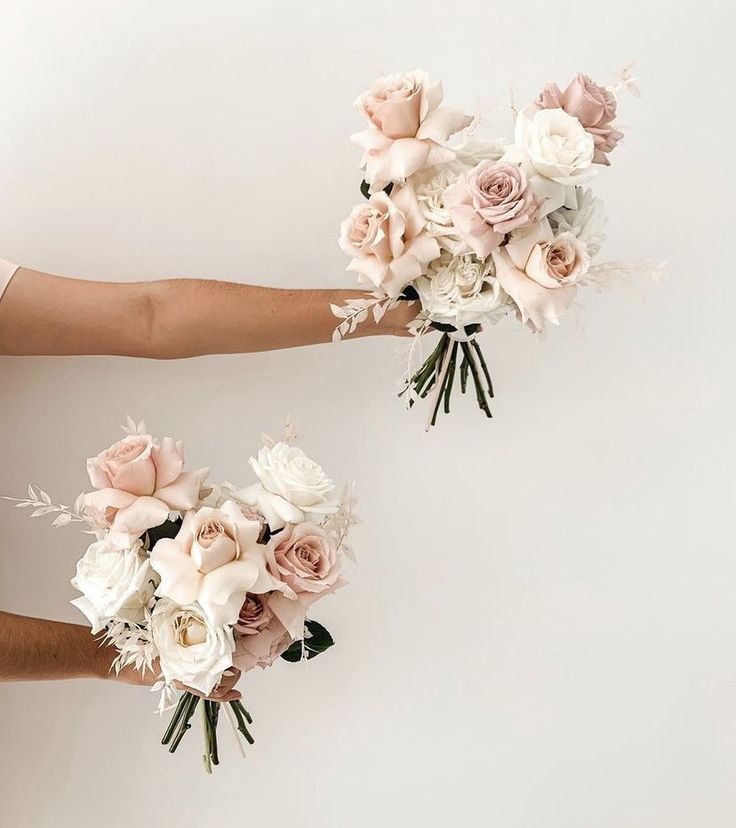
41,314
37,649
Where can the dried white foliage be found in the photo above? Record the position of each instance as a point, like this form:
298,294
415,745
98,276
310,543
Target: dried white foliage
624,81
132,427
134,643
608,275
355,311
338,525
411,356
290,435
41,503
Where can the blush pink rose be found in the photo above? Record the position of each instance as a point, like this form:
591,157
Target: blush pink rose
263,648
489,201
303,559
214,560
539,272
305,567
388,240
407,127
139,482
593,105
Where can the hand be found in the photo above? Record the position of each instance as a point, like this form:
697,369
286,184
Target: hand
224,692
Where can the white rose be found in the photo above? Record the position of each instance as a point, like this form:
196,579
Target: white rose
190,648
474,150
429,188
116,582
557,154
586,221
459,290
292,486
557,145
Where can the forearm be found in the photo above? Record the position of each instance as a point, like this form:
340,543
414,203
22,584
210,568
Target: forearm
195,317
35,649
42,314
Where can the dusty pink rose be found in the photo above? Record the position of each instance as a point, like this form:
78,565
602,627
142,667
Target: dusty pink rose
263,648
539,272
304,566
407,127
304,559
489,201
593,105
254,615
388,240
139,482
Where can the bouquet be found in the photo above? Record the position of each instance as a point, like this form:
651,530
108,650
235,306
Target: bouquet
489,228
189,580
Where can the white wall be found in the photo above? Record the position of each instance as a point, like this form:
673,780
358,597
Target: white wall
541,632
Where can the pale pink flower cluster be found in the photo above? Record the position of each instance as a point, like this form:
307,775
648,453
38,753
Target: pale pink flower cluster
498,205
220,577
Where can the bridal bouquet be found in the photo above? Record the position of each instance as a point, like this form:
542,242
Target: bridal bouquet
489,228
190,580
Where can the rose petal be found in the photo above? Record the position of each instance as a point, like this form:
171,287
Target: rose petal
223,590
168,458
290,612
142,514
183,493
442,123
180,580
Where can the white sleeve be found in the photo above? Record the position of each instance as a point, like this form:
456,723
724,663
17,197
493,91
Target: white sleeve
7,271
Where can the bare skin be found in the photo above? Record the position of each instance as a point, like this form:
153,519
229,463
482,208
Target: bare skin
47,315
36,649
42,314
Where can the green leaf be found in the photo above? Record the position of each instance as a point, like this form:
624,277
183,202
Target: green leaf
365,189
168,529
315,643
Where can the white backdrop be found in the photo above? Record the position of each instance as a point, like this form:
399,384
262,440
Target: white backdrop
541,630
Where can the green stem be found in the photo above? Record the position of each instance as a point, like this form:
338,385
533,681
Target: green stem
214,715
191,706
241,714
483,365
450,376
207,728
175,719
479,390
464,366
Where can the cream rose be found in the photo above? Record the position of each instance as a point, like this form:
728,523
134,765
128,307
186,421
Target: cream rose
557,145
388,240
116,582
459,290
429,188
191,649
407,127
215,560
539,272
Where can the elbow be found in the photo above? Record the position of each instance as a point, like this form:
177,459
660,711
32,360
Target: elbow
156,336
